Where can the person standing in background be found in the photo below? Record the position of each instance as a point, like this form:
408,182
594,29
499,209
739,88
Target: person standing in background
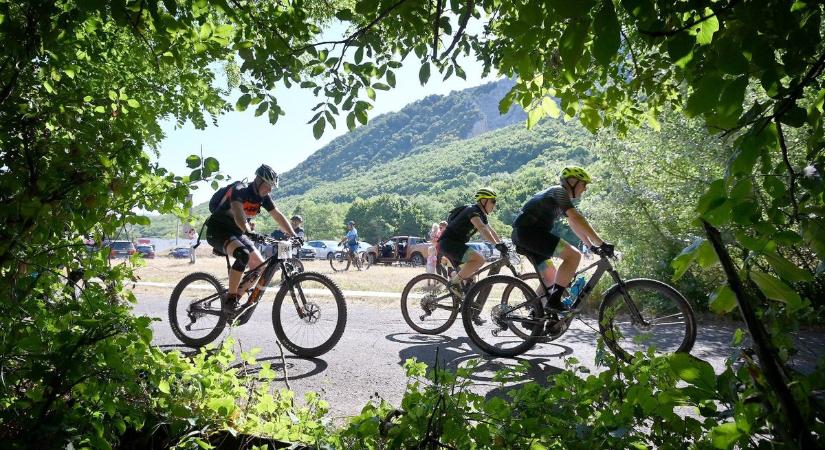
432,252
193,240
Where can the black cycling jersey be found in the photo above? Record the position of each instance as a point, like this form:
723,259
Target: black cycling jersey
247,195
461,228
544,208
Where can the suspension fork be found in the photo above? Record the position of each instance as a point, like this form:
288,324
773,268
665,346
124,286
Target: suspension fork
631,305
287,284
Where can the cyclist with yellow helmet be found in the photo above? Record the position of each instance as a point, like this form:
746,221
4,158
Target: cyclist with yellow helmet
533,238
461,225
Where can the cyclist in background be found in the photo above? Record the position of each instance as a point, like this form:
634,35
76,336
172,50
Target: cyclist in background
463,222
533,238
351,240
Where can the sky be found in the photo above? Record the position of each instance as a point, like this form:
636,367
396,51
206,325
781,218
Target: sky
241,141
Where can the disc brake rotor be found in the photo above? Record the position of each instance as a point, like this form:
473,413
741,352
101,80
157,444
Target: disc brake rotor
312,313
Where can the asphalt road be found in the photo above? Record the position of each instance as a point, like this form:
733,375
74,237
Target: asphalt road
368,360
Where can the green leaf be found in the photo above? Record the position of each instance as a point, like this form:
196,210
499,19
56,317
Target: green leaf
725,435
693,370
776,289
132,103
381,86
163,386
568,9
261,109
714,197
786,269
211,164
705,29
193,161
571,44
722,301
351,121
318,128
730,104
606,33
705,95
424,73
391,78
243,102
371,93
680,49
48,86
794,117
682,262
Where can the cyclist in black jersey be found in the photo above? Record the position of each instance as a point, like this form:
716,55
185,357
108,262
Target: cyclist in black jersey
454,238
532,236
227,228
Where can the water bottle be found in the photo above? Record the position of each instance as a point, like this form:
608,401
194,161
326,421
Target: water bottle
573,291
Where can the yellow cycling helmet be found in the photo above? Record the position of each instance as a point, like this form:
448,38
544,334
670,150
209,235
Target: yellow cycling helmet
485,193
574,172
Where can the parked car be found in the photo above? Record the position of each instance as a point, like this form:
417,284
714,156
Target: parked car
180,252
482,248
147,250
408,249
307,252
120,249
324,249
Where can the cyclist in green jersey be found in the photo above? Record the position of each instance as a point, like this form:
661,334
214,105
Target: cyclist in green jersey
533,238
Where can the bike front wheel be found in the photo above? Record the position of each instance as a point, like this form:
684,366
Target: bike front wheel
339,261
309,314
502,316
427,305
665,322
195,314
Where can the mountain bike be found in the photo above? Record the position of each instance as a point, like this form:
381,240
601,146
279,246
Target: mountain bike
340,260
429,307
634,315
309,312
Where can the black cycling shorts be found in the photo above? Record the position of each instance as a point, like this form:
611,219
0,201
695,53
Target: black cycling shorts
537,244
453,250
219,234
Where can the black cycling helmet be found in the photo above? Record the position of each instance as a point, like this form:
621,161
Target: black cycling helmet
297,217
267,174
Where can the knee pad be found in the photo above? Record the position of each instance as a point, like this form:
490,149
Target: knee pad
241,255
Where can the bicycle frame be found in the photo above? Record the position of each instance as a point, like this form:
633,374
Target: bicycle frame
602,265
270,266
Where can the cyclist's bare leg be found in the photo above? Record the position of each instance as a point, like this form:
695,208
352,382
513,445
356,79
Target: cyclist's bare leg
570,262
472,262
547,271
234,275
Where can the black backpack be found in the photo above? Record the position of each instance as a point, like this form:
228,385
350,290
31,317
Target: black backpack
220,197
455,212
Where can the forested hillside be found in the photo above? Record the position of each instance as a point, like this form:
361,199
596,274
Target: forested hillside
435,120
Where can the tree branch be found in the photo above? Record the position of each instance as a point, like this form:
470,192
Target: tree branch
798,431
439,6
666,33
462,25
791,173
354,35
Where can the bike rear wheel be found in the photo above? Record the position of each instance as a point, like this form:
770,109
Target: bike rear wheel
504,303
309,314
669,324
427,305
195,309
339,261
